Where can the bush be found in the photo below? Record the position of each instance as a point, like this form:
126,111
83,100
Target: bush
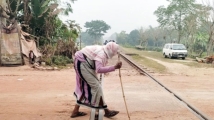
48,61
158,49
57,60
127,46
61,60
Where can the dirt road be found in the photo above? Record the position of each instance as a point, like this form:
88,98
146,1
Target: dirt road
28,94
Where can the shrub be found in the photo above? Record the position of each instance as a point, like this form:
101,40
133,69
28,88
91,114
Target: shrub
61,60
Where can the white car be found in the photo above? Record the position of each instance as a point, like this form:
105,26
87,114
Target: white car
174,50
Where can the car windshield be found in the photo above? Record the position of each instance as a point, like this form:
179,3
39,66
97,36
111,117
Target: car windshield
178,47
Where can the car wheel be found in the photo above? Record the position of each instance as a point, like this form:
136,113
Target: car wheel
170,56
164,55
183,58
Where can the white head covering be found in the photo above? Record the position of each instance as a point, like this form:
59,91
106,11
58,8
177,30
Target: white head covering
101,53
111,49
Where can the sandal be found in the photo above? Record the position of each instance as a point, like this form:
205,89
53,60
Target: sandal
96,117
111,113
78,114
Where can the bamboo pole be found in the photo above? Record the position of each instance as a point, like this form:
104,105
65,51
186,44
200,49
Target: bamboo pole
122,89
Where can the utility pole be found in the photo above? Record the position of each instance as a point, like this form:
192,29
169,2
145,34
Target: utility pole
79,28
80,41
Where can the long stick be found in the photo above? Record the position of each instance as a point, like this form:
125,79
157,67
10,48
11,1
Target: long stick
122,88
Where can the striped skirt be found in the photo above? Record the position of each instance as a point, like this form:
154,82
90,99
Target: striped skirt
88,90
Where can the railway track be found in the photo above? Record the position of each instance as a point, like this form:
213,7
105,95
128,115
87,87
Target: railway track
143,71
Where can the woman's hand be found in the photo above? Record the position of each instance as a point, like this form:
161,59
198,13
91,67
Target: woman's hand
118,65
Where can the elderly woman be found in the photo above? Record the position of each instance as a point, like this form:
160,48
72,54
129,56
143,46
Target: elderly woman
89,62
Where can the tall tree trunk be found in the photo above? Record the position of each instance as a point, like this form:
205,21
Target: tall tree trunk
141,43
156,42
179,36
210,41
26,14
3,4
191,43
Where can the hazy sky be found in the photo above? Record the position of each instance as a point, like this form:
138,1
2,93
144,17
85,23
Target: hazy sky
119,14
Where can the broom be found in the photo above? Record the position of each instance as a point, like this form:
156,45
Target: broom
122,88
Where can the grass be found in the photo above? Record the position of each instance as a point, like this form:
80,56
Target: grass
198,65
149,63
152,54
141,59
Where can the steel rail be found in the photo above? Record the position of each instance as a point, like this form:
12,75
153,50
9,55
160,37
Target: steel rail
194,109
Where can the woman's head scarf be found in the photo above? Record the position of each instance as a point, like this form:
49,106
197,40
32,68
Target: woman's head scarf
111,49
101,53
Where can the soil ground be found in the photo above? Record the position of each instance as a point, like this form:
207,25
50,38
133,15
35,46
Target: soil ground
29,94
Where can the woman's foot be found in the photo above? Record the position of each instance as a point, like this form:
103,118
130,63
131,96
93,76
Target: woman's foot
110,113
78,114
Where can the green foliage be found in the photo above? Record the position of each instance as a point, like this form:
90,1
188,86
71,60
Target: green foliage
43,41
58,54
41,17
199,45
144,37
64,31
122,38
141,37
66,5
87,39
159,56
61,60
58,61
56,39
39,11
96,28
60,27
128,45
157,49
201,40
149,63
134,37
48,61
13,5
176,13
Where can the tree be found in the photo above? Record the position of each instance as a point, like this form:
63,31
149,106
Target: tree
208,25
133,37
74,30
86,38
3,12
69,31
173,16
191,25
40,17
96,28
143,37
156,35
122,37
113,37
200,42
66,5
